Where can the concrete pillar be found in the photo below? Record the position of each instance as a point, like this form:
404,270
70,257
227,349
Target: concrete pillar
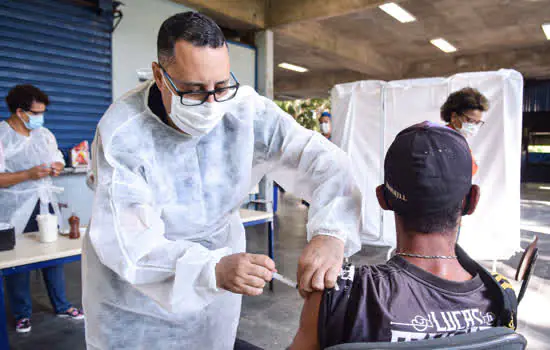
264,85
264,78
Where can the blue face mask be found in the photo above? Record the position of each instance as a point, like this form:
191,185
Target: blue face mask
35,121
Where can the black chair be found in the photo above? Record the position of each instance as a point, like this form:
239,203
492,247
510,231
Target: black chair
495,338
526,266
244,345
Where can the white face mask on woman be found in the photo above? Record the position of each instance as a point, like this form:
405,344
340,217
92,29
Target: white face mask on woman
469,129
195,120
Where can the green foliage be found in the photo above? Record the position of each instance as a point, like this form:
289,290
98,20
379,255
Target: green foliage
306,112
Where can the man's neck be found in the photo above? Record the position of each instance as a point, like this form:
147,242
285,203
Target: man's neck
17,125
432,244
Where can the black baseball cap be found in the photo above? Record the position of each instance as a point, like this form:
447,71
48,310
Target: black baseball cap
427,170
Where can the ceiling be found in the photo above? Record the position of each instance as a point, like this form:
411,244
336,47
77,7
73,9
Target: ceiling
347,40
479,26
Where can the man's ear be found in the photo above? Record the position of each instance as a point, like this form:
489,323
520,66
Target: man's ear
381,196
157,74
471,200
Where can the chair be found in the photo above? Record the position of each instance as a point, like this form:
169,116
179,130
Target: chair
526,266
244,345
495,338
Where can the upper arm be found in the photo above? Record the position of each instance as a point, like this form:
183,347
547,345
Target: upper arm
307,336
325,313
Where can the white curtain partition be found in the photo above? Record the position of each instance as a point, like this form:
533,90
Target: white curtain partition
367,115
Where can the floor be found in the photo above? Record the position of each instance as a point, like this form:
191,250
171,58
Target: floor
270,320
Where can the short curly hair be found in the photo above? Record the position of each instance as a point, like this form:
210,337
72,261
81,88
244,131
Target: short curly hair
462,101
22,96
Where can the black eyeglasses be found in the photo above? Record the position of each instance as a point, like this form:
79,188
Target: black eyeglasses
29,112
197,98
473,121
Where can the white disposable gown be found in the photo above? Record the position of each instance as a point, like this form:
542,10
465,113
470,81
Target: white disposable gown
19,153
166,211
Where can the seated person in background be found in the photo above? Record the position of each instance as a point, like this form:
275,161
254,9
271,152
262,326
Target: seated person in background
430,288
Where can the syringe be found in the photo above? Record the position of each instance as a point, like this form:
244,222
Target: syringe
284,280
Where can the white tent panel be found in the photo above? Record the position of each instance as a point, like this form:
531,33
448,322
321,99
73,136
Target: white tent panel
365,126
493,232
360,111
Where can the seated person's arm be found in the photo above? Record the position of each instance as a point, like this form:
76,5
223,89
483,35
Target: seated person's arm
10,179
325,315
307,336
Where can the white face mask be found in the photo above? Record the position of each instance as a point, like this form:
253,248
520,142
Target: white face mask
325,128
195,120
469,129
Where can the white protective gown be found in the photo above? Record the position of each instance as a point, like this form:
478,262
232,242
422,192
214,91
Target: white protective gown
19,153
166,211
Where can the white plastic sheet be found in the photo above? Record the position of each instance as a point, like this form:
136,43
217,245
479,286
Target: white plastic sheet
367,116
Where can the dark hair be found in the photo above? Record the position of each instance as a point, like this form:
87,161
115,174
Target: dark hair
193,27
444,221
22,96
462,101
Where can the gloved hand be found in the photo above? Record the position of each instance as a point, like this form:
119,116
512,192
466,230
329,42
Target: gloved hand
244,273
320,264
38,172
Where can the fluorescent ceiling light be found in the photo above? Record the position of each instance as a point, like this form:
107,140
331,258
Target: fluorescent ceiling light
443,45
293,67
546,29
546,188
397,12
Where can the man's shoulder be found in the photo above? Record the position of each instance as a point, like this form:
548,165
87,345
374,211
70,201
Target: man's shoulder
124,109
132,103
357,309
377,281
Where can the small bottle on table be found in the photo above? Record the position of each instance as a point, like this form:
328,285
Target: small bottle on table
74,222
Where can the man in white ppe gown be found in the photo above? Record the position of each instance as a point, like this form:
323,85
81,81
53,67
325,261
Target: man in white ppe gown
163,262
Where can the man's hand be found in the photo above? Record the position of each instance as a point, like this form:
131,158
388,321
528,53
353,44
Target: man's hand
320,264
244,273
38,172
57,168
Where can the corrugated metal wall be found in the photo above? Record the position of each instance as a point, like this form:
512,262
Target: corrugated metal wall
64,48
536,96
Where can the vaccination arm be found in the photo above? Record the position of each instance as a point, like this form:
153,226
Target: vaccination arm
307,336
